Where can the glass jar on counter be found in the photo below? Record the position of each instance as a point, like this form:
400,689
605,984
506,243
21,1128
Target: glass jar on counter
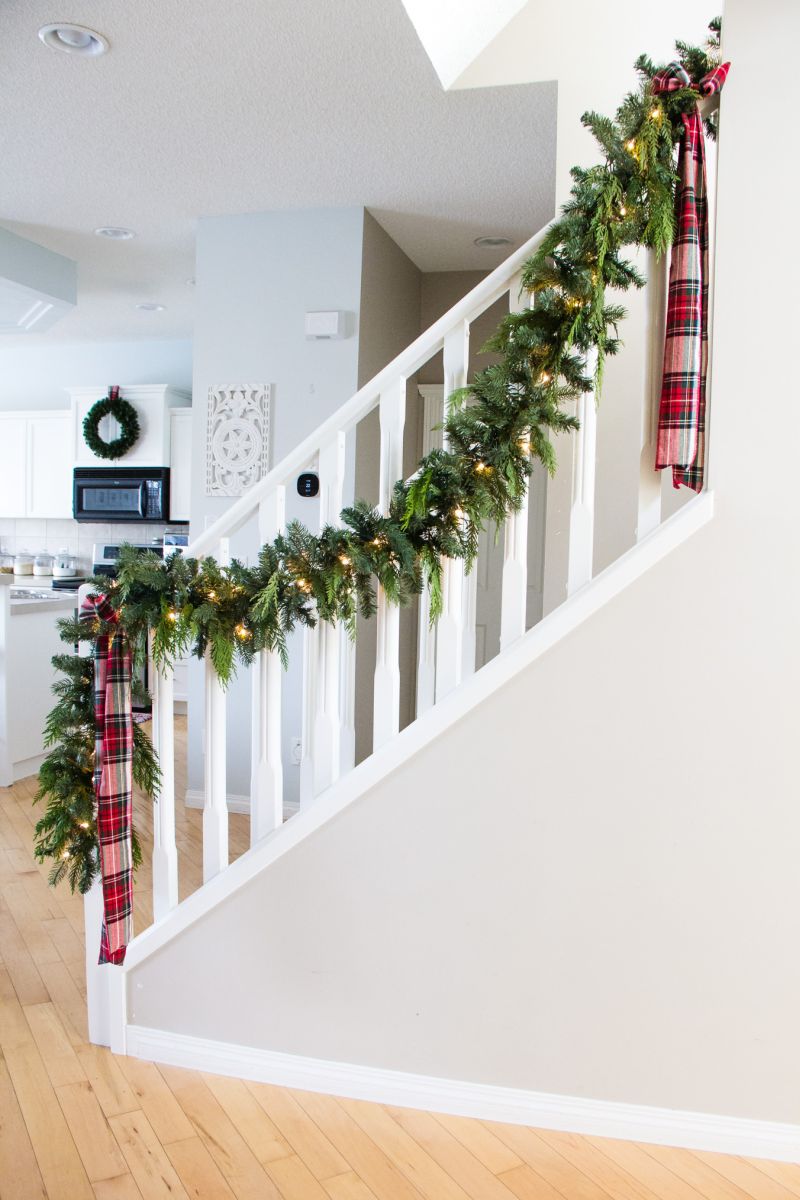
6,563
65,565
43,566
23,563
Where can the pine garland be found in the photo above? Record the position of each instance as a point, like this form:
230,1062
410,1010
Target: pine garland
495,428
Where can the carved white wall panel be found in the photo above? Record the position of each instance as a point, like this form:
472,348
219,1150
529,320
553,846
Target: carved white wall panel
238,442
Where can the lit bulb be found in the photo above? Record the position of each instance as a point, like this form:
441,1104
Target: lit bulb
65,854
630,145
544,377
84,824
344,560
480,467
301,583
172,615
376,542
459,514
212,595
243,633
623,210
655,113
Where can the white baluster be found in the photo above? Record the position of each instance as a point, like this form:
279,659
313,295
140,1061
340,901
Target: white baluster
649,517
431,394
450,632
215,806
581,523
386,710
98,1000
266,772
323,691
515,548
165,851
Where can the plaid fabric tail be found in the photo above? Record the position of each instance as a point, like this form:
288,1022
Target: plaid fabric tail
113,781
682,406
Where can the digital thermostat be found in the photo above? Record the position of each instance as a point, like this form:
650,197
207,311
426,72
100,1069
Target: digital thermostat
307,484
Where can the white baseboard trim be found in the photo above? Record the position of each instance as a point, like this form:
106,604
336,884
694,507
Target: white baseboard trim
572,1114
195,798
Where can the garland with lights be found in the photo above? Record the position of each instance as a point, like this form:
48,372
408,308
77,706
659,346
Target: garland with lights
126,416
495,428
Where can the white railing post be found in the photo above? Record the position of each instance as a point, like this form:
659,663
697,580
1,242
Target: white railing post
450,631
321,688
581,519
386,700
431,394
215,806
98,999
165,850
649,511
266,764
514,595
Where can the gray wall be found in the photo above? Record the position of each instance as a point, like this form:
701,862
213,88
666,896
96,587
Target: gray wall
257,275
608,904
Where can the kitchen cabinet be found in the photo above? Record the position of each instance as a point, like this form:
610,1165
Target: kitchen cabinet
180,464
35,464
49,466
153,403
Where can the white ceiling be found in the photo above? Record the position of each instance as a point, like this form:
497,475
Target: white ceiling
222,106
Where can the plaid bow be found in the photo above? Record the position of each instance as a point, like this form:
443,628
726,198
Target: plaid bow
113,783
682,407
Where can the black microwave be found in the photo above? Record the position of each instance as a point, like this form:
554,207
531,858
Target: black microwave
120,494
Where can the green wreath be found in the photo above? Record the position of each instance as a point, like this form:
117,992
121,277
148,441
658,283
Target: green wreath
124,413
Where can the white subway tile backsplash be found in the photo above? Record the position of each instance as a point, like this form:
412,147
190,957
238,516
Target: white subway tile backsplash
78,537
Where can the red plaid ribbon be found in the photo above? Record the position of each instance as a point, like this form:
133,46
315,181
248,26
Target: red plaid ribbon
682,407
113,779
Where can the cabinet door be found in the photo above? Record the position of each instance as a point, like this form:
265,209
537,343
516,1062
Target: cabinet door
180,464
49,466
13,461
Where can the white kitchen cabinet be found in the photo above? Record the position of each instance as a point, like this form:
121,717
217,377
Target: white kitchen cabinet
180,464
49,465
13,465
35,464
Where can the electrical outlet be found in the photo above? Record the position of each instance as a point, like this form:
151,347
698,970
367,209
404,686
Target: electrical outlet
296,751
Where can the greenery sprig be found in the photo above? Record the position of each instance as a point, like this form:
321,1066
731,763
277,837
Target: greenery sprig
495,428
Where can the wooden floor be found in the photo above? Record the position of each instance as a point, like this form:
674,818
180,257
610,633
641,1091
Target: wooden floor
77,1122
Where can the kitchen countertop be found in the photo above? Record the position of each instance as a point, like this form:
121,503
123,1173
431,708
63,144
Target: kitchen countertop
29,596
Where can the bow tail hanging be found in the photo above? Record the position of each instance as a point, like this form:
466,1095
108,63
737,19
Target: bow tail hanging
113,781
682,405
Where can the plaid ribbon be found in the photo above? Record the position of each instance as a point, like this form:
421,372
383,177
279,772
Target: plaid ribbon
682,406
113,779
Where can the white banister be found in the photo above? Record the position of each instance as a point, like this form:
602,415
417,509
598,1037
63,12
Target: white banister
581,519
407,363
325,640
215,803
165,850
386,698
649,508
450,632
266,764
514,593
431,394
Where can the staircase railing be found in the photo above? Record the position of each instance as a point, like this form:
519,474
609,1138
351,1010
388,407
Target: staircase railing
444,656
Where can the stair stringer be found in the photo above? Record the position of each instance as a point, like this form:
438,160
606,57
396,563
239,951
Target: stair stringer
411,741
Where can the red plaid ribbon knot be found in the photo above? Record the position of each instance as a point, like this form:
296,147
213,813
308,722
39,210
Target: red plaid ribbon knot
113,779
682,407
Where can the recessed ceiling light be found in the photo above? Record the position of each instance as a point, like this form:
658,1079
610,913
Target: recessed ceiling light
117,233
149,306
73,39
492,241
191,282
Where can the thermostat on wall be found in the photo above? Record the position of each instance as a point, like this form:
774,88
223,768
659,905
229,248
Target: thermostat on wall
307,484
325,324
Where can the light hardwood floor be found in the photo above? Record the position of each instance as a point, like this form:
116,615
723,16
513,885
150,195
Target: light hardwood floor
77,1122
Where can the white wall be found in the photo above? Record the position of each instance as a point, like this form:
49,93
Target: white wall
257,275
608,905
36,376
